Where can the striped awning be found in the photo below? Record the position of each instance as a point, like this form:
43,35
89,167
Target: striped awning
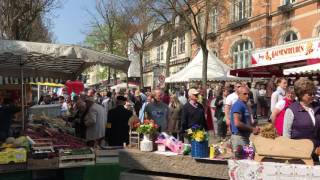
309,69
52,60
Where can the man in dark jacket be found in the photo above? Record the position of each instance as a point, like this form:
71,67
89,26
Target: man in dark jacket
193,112
119,122
7,111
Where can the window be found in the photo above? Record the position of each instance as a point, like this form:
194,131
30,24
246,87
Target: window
286,2
182,45
161,32
289,37
241,54
174,48
177,21
241,9
160,53
214,20
146,58
201,23
215,53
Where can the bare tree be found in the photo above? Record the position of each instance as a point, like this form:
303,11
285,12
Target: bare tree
142,23
167,17
107,31
196,15
18,19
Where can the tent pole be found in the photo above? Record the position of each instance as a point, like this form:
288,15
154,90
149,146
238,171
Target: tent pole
22,94
38,92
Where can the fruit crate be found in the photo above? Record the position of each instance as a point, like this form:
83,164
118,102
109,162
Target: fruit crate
76,157
12,167
37,164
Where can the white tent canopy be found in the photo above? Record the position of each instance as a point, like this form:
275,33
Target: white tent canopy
120,86
217,70
309,69
52,60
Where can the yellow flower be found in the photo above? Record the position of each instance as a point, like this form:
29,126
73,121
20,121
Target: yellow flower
199,136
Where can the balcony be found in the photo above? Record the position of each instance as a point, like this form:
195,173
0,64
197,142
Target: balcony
286,8
153,64
239,23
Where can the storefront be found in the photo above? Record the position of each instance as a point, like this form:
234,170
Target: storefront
272,61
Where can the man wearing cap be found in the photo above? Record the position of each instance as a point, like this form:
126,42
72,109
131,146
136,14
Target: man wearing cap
192,112
118,118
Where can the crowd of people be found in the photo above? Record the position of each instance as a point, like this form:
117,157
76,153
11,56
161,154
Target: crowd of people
228,110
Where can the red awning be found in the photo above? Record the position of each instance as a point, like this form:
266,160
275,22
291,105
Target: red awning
267,71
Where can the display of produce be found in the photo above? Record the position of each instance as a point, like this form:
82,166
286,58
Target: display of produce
268,131
13,155
60,140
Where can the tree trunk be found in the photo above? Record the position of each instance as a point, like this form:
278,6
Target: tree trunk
109,74
114,76
141,69
204,72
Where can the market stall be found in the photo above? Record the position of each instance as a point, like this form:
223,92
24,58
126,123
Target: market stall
272,61
306,70
21,59
267,157
48,140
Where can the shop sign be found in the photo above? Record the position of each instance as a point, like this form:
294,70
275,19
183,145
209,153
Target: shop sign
308,49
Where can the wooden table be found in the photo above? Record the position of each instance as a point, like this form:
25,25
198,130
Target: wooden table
149,165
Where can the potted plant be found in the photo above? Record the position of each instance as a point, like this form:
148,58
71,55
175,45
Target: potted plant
147,128
199,141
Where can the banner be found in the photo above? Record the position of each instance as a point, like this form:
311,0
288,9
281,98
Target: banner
308,49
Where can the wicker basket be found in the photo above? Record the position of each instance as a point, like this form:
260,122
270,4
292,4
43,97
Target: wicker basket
199,149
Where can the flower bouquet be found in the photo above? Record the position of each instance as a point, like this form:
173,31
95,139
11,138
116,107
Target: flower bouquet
147,128
199,141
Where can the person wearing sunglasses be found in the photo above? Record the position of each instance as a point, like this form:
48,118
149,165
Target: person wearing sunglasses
302,118
240,120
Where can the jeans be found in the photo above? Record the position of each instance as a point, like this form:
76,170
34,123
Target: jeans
237,140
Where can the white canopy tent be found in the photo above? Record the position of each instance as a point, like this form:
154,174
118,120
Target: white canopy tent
217,71
120,86
309,69
31,59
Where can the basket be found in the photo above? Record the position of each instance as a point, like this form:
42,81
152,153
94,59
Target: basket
199,149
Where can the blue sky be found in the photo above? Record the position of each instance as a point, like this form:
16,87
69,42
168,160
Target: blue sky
72,20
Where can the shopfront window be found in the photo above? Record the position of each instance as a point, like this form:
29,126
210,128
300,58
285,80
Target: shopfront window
241,54
289,37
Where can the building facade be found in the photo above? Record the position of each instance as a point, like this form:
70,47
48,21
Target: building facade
154,58
242,26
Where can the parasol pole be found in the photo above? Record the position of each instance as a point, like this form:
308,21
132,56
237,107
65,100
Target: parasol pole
22,94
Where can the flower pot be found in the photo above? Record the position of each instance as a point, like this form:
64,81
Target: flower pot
146,145
199,149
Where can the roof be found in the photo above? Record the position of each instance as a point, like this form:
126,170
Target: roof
52,60
309,69
216,71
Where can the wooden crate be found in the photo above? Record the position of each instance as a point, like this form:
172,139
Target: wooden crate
34,164
76,160
104,156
